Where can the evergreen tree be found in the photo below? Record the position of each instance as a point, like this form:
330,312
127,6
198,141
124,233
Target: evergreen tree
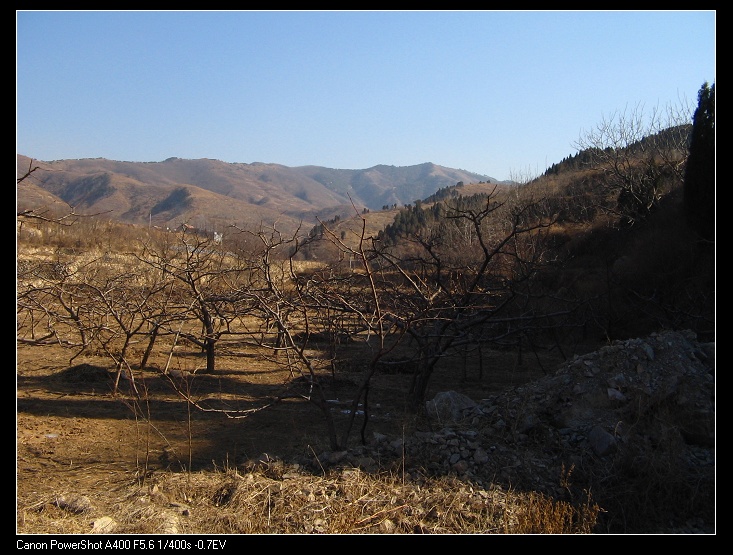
699,185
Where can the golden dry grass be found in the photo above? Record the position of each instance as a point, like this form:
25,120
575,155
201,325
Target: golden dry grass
276,499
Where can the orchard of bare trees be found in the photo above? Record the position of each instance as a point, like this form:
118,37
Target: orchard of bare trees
493,270
444,292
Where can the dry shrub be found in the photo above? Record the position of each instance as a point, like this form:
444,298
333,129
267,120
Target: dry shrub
538,514
652,484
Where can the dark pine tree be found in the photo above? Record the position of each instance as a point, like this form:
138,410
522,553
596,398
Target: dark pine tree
699,185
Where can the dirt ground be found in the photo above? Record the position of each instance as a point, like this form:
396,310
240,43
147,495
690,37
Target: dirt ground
74,434
78,442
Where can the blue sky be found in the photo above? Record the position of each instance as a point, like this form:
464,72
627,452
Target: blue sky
500,93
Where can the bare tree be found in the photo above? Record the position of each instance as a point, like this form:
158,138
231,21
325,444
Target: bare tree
205,272
455,294
640,154
306,316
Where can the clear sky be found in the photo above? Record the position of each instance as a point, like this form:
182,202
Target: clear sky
499,93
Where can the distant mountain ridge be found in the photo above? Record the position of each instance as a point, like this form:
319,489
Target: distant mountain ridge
206,193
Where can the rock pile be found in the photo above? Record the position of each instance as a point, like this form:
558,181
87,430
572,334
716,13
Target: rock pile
633,402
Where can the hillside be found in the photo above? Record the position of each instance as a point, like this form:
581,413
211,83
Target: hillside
211,194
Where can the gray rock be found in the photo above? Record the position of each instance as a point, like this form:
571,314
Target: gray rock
448,407
601,441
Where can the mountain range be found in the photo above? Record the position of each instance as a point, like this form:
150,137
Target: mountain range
208,193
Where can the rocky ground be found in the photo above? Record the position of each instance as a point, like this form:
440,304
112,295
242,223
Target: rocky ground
636,414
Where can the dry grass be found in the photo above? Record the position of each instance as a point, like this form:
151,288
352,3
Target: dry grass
281,500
